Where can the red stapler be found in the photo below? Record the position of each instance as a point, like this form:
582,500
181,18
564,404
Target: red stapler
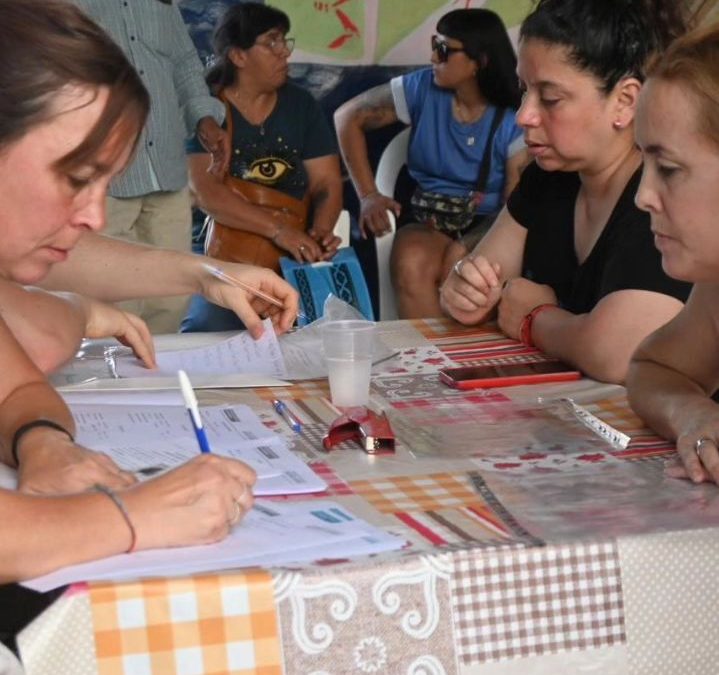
371,430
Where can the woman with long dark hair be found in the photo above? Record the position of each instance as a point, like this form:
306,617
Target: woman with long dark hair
461,112
569,265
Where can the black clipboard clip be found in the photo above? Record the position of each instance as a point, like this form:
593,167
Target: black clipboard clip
371,430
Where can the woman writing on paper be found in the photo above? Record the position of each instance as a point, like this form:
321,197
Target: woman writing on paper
570,266
461,112
675,371
68,124
281,143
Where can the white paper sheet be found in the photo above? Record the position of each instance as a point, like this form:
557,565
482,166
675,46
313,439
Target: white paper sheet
238,354
148,440
170,397
164,382
273,533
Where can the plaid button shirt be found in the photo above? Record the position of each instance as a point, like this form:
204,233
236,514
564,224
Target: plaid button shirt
154,37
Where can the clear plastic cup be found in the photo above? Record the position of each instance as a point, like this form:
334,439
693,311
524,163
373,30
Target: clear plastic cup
348,347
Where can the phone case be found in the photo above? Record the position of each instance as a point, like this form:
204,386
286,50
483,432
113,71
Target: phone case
508,380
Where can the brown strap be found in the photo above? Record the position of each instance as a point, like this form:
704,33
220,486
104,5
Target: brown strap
228,120
258,194
487,156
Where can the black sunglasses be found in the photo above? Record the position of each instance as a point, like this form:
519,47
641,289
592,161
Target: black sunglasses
443,49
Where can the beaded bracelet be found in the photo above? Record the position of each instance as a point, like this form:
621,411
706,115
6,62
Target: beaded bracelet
29,426
117,501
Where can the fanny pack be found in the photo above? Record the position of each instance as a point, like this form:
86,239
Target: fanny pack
454,215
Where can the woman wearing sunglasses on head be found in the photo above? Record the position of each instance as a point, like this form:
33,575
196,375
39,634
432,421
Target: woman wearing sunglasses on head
461,111
569,265
281,143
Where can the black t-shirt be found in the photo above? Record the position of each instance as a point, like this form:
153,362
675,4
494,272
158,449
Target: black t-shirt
272,153
624,256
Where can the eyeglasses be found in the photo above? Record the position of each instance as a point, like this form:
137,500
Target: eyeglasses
443,49
279,44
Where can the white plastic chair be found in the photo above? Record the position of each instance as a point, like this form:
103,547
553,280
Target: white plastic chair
342,228
393,158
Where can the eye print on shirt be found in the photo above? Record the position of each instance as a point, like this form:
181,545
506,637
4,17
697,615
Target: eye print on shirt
267,170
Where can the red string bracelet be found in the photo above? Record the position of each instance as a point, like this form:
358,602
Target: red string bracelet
117,501
525,328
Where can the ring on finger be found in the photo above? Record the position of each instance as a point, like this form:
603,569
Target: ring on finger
237,514
302,248
700,442
458,267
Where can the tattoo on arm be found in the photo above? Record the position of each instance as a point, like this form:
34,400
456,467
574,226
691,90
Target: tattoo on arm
375,107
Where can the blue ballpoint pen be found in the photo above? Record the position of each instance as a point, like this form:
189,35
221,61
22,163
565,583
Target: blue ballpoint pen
193,410
286,414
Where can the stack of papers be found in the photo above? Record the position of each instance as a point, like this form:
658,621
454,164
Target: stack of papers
271,534
153,438
239,354
238,361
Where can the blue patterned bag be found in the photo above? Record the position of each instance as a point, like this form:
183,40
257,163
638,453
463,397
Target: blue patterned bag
342,276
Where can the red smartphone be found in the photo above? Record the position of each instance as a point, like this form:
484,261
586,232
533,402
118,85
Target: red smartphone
480,377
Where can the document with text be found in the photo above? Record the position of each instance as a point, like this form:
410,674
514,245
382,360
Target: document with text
151,439
272,534
238,354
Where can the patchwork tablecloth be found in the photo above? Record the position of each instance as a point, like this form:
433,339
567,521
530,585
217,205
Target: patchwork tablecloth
533,546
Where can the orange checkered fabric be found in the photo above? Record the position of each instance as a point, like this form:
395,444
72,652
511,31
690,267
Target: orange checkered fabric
207,624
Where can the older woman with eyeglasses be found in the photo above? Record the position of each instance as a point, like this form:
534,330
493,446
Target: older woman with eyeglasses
461,111
280,140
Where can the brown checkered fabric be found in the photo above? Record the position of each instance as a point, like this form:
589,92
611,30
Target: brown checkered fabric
527,602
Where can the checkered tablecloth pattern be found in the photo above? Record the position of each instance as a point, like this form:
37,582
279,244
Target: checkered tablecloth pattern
527,602
416,493
198,625
617,412
505,594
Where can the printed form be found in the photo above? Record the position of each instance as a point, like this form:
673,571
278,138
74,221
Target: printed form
272,534
238,354
150,439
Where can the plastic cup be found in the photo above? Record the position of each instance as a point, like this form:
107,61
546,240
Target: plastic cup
348,347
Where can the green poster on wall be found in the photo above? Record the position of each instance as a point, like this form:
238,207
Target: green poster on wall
378,31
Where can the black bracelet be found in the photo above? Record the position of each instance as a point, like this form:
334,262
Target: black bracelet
19,433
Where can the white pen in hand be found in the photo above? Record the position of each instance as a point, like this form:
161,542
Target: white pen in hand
287,415
193,410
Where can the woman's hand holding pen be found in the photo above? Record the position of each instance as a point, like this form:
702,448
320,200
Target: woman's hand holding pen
196,503
248,306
